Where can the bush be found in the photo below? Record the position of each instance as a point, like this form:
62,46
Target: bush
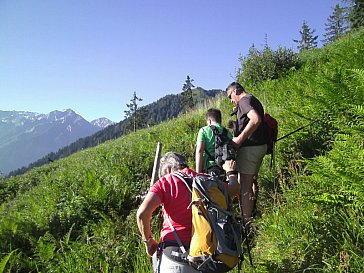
266,64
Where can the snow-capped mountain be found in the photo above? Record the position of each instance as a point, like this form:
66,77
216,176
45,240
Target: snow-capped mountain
27,136
102,123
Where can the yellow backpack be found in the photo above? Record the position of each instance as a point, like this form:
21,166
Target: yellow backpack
216,235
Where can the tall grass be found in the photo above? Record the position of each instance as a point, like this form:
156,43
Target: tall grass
78,214
317,224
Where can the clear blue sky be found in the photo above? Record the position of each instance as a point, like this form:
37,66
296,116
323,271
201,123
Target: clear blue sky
92,55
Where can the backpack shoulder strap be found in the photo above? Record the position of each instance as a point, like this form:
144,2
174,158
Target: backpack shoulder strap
224,135
224,131
215,130
209,155
186,179
175,233
216,133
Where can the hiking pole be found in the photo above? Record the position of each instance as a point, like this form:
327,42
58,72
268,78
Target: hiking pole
156,163
152,180
299,129
273,160
244,230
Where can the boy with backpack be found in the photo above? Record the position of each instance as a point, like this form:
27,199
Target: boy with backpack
214,145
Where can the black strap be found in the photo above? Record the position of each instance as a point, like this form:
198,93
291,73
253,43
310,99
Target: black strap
216,133
210,157
168,243
185,178
174,253
231,172
214,130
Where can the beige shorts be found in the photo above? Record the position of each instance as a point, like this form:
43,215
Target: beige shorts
249,159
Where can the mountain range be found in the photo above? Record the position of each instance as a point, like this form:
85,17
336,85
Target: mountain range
27,136
165,108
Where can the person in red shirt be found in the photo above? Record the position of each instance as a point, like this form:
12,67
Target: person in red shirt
171,192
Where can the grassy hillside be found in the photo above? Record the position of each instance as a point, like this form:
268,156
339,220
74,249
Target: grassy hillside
78,213
315,222
170,106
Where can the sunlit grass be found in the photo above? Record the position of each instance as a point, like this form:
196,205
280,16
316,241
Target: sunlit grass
78,214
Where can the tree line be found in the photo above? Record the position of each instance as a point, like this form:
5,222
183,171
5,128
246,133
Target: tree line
136,118
268,64
342,20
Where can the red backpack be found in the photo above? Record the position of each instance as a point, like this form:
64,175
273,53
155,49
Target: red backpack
271,125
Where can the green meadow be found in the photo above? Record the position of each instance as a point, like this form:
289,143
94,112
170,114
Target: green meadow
77,214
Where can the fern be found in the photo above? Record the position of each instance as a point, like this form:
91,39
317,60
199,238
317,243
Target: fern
78,213
5,260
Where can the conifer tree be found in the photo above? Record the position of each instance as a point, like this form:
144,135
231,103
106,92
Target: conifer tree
336,27
187,94
141,118
132,113
356,14
308,40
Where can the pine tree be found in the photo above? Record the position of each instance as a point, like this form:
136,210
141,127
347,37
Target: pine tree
141,118
336,27
187,94
356,14
307,41
132,113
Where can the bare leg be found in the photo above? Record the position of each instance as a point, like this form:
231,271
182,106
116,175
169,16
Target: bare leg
247,195
255,185
255,193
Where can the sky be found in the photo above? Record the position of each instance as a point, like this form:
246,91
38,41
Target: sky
91,56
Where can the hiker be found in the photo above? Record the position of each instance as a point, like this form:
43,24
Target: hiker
205,145
174,196
251,141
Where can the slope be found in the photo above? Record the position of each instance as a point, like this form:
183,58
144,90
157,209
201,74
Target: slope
79,212
164,109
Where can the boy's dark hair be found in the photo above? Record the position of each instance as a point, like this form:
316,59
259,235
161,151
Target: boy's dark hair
214,114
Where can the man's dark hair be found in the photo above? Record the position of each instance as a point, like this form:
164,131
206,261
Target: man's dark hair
214,114
236,85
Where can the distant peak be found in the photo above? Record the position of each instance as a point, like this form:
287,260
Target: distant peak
102,122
